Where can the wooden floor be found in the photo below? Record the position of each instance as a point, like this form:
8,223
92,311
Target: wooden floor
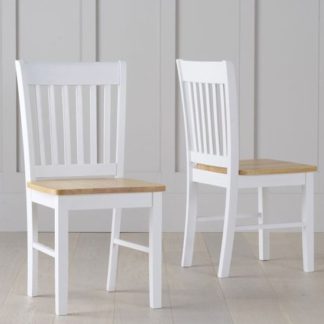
275,291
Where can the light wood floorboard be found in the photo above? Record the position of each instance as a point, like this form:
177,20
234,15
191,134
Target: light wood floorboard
275,291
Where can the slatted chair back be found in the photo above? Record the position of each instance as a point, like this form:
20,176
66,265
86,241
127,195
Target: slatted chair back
208,95
73,118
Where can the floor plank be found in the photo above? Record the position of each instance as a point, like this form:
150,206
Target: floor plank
275,291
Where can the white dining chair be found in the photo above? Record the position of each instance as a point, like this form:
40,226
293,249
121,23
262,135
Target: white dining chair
73,126
211,123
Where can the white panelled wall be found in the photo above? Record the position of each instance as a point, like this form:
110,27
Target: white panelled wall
277,47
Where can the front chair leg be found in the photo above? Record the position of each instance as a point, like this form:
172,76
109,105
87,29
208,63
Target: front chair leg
113,250
155,251
228,232
61,259
308,222
32,254
190,227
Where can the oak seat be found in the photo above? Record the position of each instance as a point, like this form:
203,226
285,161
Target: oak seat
62,187
262,167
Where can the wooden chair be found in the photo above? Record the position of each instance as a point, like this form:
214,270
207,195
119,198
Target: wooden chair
209,100
74,160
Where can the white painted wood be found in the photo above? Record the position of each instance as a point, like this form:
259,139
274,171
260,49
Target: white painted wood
308,221
32,254
190,225
53,125
197,118
210,178
223,118
209,122
43,248
113,252
79,124
191,114
202,117
72,73
61,259
221,218
228,230
39,107
100,201
132,245
272,180
155,251
278,226
264,246
209,159
223,76
43,199
107,123
93,125
66,125
121,120
215,114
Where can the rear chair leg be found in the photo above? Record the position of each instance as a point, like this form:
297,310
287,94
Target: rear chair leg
32,254
308,220
155,251
190,227
113,254
264,246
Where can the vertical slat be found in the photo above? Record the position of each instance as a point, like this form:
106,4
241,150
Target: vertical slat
93,124
223,112
66,125
53,124
215,113
209,125
40,119
194,87
202,115
79,124
107,123
191,117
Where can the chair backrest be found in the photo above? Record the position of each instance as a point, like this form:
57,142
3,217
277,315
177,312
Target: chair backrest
73,118
209,101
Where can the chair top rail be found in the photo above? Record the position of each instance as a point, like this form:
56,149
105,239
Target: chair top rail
71,73
203,72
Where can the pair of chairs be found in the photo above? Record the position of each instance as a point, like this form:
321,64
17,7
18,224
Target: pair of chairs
73,123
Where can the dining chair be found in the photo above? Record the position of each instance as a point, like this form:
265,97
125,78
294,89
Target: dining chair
211,123
73,128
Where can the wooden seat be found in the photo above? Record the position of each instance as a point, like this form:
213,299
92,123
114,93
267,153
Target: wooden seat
93,186
263,166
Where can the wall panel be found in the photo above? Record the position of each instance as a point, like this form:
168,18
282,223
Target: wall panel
276,47
130,30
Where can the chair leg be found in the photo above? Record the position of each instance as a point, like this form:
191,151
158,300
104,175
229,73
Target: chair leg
264,246
113,253
32,254
190,226
308,220
155,251
61,259
228,232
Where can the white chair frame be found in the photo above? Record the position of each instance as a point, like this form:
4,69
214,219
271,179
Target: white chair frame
219,146
80,74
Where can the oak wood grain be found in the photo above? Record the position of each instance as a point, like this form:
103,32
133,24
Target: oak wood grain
94,186
263,166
